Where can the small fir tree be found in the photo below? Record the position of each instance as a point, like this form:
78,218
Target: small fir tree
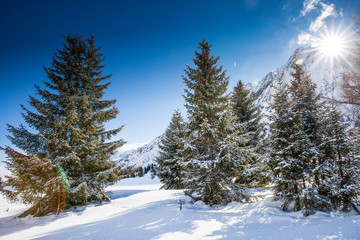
305,138
169,169
246,113
33,182
211,147
247,120
69,120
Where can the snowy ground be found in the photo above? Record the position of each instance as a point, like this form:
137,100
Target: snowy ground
139,210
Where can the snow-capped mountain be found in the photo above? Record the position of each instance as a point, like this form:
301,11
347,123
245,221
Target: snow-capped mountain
324,73
141,157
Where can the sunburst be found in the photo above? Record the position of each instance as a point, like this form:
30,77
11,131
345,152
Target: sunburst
334,46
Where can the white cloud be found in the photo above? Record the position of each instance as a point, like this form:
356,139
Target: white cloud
341,13
309,5
327,10
304,38
323,11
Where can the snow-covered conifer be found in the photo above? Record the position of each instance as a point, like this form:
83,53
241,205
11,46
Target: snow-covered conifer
247,120
69,119
281,162
307,110
169,169
340,166
211,138
295,140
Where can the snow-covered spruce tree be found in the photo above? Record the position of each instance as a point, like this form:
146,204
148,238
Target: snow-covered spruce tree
69,120
294,142
247,119
308,116
340,167
246,113
169,169
211,147
280,152
34,182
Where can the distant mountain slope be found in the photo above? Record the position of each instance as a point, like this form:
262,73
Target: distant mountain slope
142,157
324,73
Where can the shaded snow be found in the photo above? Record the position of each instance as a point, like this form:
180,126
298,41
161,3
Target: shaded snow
139,210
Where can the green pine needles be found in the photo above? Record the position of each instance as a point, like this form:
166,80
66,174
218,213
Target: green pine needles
215,154
69,119
313,157
210,154
253,171
170,169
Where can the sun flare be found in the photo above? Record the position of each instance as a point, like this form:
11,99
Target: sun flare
332,45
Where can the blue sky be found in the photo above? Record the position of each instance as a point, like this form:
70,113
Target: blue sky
147,45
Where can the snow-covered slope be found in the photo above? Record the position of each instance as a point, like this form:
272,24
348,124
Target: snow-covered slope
143,156
326,74
139,210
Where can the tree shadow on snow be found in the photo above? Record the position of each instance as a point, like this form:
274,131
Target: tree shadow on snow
29,222
116,194
151,221
164,220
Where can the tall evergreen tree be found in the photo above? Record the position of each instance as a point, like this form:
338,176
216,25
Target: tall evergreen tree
69,120
170,170
280,142
298,178
307,119
340,167
211,148
247,120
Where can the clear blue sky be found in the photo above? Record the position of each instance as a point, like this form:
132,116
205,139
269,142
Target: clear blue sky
147,45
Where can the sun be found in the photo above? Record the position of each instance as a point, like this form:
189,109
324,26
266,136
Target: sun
332,45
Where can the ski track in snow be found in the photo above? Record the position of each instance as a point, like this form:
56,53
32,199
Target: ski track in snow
139,210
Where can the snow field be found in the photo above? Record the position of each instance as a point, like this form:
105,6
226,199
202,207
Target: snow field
139,210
